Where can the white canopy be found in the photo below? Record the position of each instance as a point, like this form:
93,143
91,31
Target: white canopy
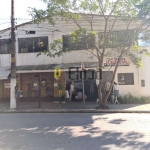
4,72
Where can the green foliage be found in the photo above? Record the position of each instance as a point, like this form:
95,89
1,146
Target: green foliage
145,36
130,99
66,8
135,59
55,8
40,44
135,47
145,51
78,35
144,9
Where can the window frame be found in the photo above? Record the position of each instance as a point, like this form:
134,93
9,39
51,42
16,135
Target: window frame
5,42
30,42
83,45
114,35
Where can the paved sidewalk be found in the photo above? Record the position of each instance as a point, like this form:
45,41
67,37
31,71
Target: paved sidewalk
73,107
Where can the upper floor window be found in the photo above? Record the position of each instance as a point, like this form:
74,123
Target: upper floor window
34,44
5,46
117,38
81,44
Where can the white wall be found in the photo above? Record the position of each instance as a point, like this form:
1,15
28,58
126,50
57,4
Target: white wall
32,59
133,89
145,73
74,56
5,60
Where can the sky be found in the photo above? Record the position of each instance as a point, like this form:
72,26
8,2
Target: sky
21,8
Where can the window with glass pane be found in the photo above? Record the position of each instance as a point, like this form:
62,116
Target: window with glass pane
34,44
117,38
81,44
5,46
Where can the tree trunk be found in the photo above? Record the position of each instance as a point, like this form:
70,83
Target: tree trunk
112,82
13,104
100,94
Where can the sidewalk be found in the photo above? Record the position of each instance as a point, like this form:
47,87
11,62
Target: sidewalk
70,107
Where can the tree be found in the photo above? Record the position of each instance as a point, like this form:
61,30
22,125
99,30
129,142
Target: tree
112,13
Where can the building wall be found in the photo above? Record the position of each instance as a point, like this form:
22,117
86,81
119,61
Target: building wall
5,91
29,78
144,73
75,56
4,60
133,89
53,33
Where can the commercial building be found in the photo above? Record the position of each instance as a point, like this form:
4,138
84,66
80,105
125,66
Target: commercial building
32,70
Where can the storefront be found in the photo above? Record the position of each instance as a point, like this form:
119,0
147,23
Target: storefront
90,85
33,85
42,83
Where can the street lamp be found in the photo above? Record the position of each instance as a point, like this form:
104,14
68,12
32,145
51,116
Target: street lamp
39,77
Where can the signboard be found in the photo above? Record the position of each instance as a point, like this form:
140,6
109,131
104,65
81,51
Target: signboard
7,85
113,62
125,78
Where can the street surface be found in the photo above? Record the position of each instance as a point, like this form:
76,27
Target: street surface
75,131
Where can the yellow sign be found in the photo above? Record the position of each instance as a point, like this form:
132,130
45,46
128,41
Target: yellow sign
13,59
57,73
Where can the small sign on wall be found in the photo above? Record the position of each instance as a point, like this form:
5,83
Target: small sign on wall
34,84
55,84
142,83
7,85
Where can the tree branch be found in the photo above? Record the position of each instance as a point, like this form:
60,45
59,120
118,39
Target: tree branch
91,51
102,10
113,8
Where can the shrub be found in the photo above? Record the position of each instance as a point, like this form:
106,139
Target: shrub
130,99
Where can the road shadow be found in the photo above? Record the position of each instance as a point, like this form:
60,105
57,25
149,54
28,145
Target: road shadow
117,121
68,132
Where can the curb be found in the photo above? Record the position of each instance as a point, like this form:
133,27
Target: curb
73,111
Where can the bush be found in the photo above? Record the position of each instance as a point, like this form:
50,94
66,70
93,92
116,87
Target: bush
130,99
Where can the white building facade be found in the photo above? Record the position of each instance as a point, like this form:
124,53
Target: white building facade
134,80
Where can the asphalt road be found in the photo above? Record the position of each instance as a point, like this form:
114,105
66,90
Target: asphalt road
74,131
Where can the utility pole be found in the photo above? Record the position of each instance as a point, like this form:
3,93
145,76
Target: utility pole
13,59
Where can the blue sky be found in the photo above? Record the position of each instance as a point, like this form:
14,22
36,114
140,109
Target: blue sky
21,7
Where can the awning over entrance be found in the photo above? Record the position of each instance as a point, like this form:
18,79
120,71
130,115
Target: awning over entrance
53,66
4,72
